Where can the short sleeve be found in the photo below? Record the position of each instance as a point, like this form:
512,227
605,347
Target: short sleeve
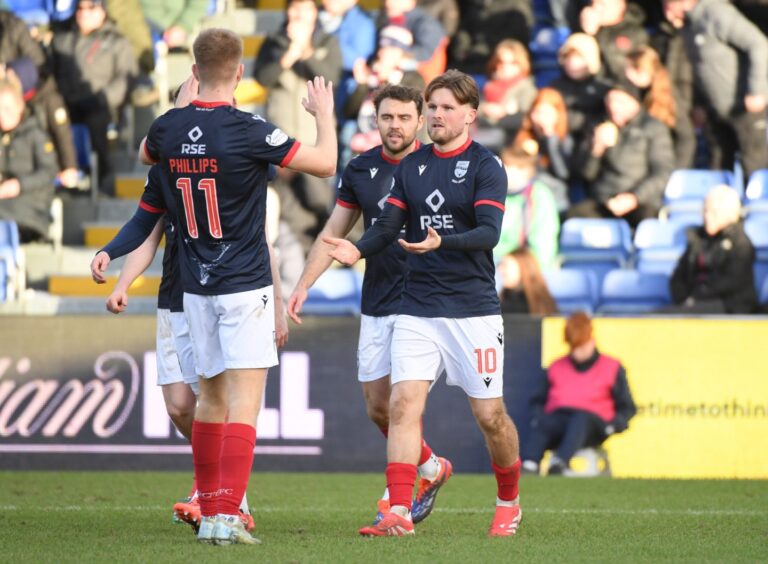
152,199
491,184
271,144
345,194
153,141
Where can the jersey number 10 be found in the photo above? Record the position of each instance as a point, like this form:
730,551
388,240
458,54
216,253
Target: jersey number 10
207,185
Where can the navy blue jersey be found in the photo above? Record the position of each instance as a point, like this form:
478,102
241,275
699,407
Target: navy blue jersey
365,184
442,190
215,159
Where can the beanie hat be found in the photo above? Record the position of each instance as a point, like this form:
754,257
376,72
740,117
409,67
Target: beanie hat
628,88
26,71
586,46
395,36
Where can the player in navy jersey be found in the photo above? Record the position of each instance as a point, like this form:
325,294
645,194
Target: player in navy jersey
214,159
175,362
363,189
451,194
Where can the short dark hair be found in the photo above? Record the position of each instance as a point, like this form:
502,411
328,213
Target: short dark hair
401,94
463,87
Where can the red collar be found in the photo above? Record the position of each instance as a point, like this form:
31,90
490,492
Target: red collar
453,153
201,104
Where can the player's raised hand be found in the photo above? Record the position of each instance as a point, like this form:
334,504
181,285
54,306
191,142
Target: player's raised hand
117,301
344,252
319,100
99,265
430,243
187,92
295,303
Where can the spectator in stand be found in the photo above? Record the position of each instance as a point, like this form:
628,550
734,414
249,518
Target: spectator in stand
94,68
715,275
646,72
300,51
27,166
483,25
387,68
627,161
444,11
618,29
530,220
523,288
128,16
16,42
426,53
47,106
729,55
174,20
510,89
582,91
547,125
583,400
355,32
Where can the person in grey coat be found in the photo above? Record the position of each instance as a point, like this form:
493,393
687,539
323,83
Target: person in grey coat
729,55
626,161
27,165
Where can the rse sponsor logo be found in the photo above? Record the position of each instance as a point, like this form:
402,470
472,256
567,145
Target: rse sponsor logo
192,149
435,200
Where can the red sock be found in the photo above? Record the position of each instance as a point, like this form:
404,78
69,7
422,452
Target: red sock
400,480
206,455
384,431
193,491
236,462
426,452
507,479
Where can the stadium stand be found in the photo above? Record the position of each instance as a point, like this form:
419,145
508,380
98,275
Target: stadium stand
659,245
574,290
630,291
686,189
598,245
756,195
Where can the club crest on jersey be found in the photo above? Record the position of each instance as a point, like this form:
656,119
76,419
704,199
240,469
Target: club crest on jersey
373,172
461,169
277,138
422,168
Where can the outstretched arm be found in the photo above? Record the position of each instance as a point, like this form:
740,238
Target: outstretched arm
375,240
338,225
135,264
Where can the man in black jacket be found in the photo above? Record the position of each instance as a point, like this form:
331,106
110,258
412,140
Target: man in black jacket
715,275
626,161
27,166
729,55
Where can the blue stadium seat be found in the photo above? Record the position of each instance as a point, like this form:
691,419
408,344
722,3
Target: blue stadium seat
631,291
757,231
756,195
687,188
573,289
659,245
336,292
10,243
763,292
546,41
599,245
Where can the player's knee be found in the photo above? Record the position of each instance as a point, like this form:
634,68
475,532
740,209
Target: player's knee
179,412
492,421
378,412
401,409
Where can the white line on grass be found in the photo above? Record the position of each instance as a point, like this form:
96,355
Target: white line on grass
456,510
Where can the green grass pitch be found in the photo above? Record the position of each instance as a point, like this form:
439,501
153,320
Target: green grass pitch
126,517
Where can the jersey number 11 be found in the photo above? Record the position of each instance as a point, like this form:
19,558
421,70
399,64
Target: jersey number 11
207,185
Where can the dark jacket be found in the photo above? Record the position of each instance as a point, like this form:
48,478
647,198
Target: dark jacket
584,100
49,109
617,41
94,70
640,162
16,42
729,55
717,268
27,154
622,397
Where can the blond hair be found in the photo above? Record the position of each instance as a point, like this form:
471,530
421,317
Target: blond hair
217,55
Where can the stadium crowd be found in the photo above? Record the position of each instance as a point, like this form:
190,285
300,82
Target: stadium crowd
591,105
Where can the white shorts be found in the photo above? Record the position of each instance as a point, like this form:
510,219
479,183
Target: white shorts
470,350
374,350
175,363
232,330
